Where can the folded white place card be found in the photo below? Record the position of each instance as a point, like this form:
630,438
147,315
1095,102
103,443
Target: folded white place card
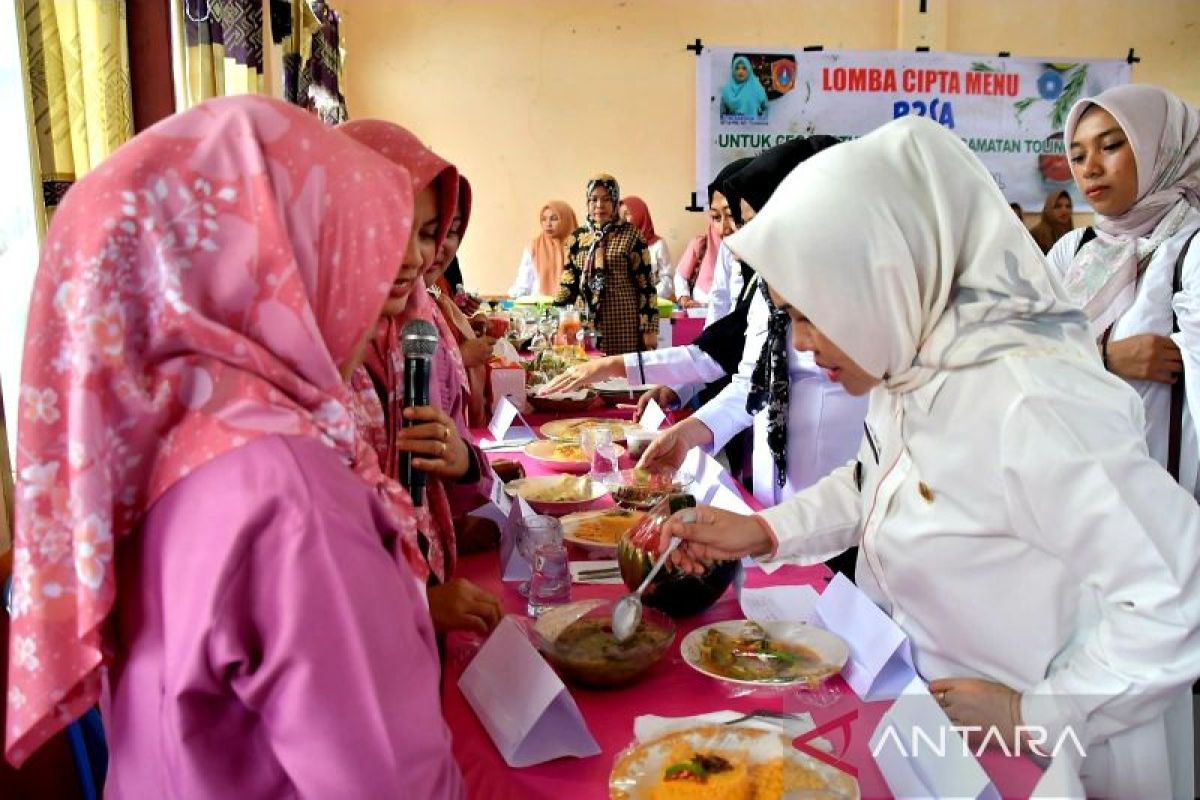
779,603
921,755
513,565
880,665
498,506
709,476
729,500
500,426
652,417
522,704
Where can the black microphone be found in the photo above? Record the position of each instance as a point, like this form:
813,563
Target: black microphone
419,340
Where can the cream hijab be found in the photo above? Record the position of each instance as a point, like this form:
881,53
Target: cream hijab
1164,133
901,249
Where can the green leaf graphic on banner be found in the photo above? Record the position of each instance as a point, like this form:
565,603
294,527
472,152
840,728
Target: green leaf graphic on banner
1023,105
979,66
1070,94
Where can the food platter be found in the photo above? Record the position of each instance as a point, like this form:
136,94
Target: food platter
562,456
599,531
568,430
725,761
765,653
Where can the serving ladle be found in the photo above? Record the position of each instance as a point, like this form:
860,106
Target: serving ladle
627,613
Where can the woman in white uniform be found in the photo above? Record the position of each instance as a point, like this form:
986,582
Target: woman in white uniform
1009,517
1135,154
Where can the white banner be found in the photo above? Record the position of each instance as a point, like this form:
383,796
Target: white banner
1009,111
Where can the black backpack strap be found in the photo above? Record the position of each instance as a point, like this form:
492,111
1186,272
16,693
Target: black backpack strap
1089,233
1178,389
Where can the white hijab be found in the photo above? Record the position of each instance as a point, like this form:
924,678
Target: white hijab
901,249
1164,133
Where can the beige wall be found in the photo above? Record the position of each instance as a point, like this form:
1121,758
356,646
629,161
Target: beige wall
529,97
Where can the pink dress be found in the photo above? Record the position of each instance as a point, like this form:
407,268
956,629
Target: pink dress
270,645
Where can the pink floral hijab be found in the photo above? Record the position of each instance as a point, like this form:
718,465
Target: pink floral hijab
196,291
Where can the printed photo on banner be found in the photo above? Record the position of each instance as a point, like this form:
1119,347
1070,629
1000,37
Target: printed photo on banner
754,80
1009,111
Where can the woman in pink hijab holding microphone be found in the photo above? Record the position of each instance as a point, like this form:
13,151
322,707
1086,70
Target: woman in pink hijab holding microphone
198,521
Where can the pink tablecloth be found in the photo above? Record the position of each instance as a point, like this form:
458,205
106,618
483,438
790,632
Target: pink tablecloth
670,689
685,329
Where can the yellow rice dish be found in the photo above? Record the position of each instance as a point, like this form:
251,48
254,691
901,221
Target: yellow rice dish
729,775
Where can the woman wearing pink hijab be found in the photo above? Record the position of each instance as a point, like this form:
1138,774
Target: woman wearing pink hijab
635,211
439,440
197,518
696,270
1135,154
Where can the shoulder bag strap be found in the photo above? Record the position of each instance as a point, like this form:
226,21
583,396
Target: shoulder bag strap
1178,389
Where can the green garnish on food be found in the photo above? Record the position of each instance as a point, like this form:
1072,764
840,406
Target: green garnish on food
697,768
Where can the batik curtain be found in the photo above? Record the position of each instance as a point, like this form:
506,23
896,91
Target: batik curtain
222,49
78,63
221,44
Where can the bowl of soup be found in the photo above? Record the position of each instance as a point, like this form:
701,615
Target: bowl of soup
577,640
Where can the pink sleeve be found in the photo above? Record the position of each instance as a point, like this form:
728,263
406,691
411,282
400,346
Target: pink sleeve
329,641
687,263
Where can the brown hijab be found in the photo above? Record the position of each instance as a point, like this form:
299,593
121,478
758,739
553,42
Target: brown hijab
1049,230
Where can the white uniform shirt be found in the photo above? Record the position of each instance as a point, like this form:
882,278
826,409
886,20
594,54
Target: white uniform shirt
723,271
726,286
824,423
686,369
527,282
1075,558
1151,313
663,268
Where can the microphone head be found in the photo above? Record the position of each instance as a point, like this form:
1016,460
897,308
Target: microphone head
419,338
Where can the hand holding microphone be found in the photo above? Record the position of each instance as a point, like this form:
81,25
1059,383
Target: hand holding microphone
429,441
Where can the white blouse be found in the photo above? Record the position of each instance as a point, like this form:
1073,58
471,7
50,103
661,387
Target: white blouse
663,267
726,286
1151,313
824,422
1011,522
527,282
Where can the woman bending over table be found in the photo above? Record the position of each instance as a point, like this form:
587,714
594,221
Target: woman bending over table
198,520
1010,520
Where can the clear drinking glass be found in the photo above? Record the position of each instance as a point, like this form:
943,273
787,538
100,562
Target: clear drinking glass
533,532
551,582
596,442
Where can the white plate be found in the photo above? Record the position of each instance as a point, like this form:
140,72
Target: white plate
526,486
832,649
568,430
543,450
640,767
571,523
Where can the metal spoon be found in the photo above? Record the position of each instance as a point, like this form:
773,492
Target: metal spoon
627,613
